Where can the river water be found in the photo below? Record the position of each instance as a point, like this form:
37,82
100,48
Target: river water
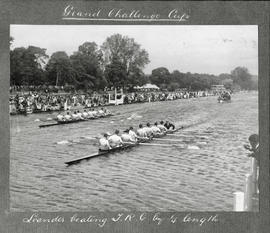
198,169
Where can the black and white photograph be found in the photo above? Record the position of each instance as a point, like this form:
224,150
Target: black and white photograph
134,118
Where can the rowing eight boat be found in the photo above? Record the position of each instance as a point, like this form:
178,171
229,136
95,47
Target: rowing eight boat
71,122
125,147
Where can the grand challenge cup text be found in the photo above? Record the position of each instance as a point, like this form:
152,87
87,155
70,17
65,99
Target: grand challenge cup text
71,12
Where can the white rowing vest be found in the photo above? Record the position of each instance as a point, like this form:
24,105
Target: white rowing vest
133,135
155,129
148,131
126,137
141,132
67,117
104,144
162,128
115,140
60,117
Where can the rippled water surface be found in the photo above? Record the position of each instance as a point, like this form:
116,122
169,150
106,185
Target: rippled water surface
197,168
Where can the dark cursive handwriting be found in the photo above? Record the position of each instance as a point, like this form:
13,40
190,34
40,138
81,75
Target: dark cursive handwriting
73,13
157,218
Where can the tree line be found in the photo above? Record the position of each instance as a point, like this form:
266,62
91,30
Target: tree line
117,63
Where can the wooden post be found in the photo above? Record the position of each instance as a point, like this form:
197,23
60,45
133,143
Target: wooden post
115,96
239,200
254,172
248,192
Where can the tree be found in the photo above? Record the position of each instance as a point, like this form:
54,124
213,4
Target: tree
115,73
242,77
160,76
122,49
173,86
225,76
59,69
180,78
136,77
228,83
40,55
86,64
26,66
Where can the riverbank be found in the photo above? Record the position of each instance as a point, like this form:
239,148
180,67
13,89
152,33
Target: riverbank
40,102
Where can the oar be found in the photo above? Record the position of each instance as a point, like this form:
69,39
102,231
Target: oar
192,147
167,139
90,138
81,143
76,141
47,119
156,144
179,135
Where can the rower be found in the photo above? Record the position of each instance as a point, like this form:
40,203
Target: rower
84,114
115,140
126,137
90,114
104,144
101,112
94,112
79,114
60,117
74,116
161,126
132,133
68,117
141,132
155,129
148,130
169,125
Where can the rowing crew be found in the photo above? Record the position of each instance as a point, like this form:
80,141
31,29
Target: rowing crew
130,136
77,115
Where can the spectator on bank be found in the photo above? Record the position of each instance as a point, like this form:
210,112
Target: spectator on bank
253,147
40,100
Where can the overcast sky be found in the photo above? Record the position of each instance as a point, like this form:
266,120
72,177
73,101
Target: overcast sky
195,49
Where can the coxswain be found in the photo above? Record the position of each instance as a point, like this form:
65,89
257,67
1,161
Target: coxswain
68,117
104,143
107,112
141,132
169,125
115,140
155,129
148,130
84,114
132,133
162,128
126,137
60,117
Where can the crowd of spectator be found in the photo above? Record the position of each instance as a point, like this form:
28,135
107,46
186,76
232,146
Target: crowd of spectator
45,102
42,101
140,97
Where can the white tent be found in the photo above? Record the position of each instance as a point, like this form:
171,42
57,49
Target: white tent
148,86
